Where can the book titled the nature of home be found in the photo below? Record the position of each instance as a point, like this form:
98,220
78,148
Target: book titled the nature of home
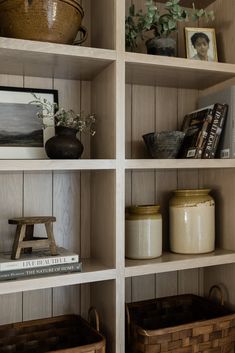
41,271
38,258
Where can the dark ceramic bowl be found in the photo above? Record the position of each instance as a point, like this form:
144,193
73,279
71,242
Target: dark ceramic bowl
164,144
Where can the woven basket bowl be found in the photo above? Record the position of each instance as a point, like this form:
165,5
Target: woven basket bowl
55,21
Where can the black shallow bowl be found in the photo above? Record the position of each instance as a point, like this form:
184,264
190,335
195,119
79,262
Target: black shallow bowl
164,144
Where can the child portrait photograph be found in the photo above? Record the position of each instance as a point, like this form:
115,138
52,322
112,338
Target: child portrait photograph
201,44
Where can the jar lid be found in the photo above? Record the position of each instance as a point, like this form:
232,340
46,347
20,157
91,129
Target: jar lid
186,192
143,209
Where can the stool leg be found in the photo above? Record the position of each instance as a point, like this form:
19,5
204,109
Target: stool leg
28,236
50,235
19,236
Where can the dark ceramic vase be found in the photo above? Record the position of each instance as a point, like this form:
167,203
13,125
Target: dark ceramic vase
161,46
64,145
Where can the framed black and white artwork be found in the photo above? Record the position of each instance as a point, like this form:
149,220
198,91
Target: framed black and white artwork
201,44
22,134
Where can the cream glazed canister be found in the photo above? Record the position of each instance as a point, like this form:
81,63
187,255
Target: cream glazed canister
192,221
143,233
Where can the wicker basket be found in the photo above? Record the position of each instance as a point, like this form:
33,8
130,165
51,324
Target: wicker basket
180,324
62,334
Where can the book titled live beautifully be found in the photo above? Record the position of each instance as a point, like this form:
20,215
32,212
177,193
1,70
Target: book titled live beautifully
38,258
41,271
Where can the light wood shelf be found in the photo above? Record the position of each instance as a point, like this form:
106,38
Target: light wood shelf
92,271
175,262
53,164
41,59
143,69
141,164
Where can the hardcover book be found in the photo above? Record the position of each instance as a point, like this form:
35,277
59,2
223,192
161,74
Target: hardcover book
213,138
196,126
38,258
226,147
41,271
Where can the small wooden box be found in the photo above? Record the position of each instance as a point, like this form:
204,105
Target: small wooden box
180,324
61,334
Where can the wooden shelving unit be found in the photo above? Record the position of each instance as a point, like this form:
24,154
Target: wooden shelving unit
131,94
169,262
175,72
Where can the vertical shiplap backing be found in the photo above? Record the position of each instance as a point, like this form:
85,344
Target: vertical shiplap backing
222,183
150,109
37,201
10,206
47,193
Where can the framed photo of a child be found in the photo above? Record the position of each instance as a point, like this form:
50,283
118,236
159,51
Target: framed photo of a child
201,44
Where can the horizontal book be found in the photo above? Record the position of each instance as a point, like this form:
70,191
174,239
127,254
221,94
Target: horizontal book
41,271
38,258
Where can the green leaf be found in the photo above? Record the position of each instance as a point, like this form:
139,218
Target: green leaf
132,10
171,24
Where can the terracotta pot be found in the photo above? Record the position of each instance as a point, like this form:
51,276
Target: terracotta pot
55,21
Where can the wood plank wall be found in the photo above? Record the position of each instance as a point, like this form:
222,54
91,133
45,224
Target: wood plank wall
150,109
66,195
63,194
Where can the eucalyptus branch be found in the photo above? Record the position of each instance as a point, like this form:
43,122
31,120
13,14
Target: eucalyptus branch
50,115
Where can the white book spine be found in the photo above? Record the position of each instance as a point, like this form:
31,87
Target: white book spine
40,262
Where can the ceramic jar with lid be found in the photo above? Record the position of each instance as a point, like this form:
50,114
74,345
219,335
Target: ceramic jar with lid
143,237
192,221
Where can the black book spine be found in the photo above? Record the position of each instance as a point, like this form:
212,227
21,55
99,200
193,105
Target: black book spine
219,116
196,126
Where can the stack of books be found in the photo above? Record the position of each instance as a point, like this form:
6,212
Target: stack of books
39,263
203,129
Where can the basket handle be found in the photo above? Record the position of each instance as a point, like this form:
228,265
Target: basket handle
128,319
96,315
219,291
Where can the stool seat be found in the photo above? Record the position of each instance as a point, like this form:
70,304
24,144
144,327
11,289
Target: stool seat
31,220
24,238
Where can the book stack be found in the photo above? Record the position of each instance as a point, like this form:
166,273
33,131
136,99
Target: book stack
38,263
227,142
203,129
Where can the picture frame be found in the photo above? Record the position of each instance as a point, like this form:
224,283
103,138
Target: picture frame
22,135
201,44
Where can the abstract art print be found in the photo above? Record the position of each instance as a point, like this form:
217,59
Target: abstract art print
22,135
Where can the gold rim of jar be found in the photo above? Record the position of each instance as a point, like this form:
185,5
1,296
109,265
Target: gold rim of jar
190,192
143,209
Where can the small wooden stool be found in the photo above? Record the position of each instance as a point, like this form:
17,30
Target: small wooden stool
24,235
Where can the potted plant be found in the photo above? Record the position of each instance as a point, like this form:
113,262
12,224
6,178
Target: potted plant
65,144
162,25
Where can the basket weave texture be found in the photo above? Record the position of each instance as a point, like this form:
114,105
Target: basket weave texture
180,324
62,334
